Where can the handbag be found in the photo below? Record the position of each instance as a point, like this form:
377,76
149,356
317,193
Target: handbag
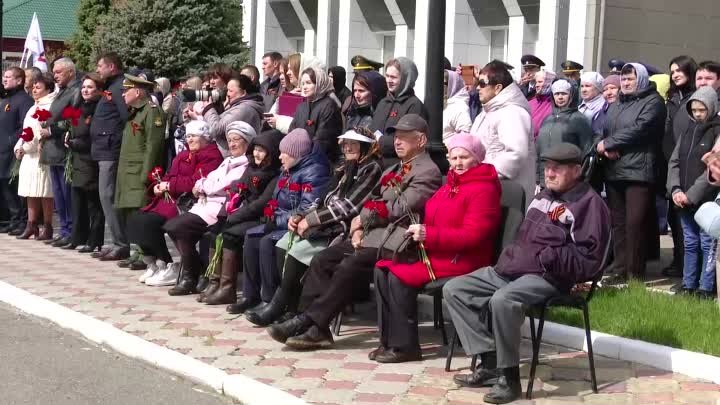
592,171
394,243
184,202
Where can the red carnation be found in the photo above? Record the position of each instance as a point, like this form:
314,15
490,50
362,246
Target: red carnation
268,212
378,207
155,174
393,113
71,114
41,115
295,187
255,181
282,183
27,134
390,179
307,187
273,203
309,122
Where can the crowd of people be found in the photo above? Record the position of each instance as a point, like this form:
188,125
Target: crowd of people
309,206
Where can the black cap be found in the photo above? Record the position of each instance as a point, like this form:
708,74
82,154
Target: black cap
409,122
616,65
531,61
363,64
652,70
570,66
563,153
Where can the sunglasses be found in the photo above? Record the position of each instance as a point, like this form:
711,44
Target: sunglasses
482,83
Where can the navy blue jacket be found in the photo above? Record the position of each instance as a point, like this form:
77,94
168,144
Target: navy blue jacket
13,110
109,121
312,170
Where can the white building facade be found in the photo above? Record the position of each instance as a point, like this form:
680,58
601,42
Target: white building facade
476,31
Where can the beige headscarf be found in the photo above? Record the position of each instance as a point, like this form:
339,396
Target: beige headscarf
323,83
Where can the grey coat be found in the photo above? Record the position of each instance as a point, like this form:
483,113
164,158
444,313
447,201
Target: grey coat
249,109
418,185
53,149
635,128
563,125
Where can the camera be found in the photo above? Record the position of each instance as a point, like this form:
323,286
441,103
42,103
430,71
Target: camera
213,96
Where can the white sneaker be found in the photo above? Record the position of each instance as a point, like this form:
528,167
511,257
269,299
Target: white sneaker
166,277
152,269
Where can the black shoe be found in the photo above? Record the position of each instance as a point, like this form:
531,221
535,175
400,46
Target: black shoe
126,263
101,253
69,246
89,249
187,280
61,242
267,314
138,265
281,332
672,271
705,295
116,255
7,228
394,355
241,306
202,284
17,231
507,389
286,317
53,240
373,354
615,280
486,374
314,338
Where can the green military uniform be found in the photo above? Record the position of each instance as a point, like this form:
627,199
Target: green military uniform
141,150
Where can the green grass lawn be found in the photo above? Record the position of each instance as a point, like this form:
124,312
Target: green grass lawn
677,321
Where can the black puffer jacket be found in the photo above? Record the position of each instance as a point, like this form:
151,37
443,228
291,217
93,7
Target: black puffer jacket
674,104
323,122
388,112
635,127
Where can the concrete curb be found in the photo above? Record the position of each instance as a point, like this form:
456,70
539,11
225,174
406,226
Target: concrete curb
693,364
241,388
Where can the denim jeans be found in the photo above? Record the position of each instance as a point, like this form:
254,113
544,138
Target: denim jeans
63,199
698,251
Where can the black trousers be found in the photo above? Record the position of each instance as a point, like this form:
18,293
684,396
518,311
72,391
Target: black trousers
234,235
397,312
87,217
631,205
331,278
677,237
17,214
186,231
292,272
146,230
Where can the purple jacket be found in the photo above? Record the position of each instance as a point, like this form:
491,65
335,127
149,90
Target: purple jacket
562,239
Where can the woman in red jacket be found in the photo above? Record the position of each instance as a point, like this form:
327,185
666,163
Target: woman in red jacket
461,224
145,227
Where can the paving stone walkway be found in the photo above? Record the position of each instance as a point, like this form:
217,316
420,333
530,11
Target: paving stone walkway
342,375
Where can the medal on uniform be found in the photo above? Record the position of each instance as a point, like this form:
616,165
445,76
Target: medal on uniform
158,121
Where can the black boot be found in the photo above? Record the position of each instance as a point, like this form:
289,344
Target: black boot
213,282
189,273
287,293
227,291
486,374
270,312
202,284
507,389
281,332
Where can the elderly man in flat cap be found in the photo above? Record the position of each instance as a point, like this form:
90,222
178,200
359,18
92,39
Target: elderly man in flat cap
561,242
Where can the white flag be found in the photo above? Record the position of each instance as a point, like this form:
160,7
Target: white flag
34,44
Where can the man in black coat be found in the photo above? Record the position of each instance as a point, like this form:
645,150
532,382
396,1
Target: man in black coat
13,107
53,148
106,131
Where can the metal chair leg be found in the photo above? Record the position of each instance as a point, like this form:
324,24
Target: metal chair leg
436,314
591,359
536,339
451,351
473,362
337,323
441,319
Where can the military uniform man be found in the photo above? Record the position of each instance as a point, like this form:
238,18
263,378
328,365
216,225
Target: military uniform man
571,70
531,64
363,64
615,66
142,147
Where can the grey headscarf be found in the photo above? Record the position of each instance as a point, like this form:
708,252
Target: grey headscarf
408,75
455,83
643,78
708,96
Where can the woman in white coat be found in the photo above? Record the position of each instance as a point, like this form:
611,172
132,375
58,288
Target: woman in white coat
34,177
456,114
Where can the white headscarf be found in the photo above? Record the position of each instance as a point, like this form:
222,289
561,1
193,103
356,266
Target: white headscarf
590,108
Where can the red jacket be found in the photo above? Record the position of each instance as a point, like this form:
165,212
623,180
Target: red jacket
462,220
186,169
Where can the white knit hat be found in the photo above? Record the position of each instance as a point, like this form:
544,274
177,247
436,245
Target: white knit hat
198,128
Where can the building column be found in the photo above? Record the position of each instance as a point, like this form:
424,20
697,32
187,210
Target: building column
309,40
576,32
261,15
323,26
401,29
450,9
420,45
248,25
547,32
344,26
516,32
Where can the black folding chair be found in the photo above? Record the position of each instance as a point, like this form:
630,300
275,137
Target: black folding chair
513,212
577,300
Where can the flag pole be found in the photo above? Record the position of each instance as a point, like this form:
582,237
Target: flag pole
23,58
